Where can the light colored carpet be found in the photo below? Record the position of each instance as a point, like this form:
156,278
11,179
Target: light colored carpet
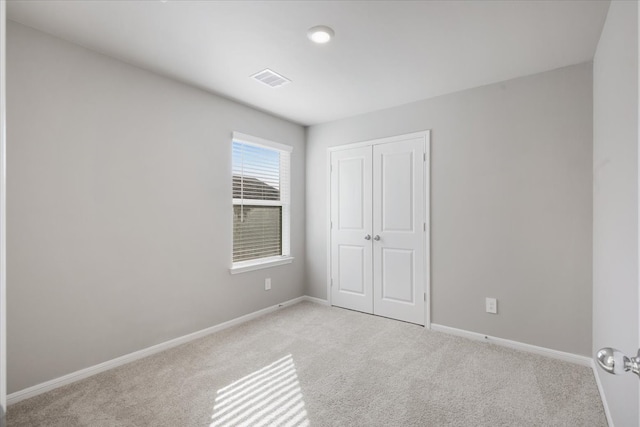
319,366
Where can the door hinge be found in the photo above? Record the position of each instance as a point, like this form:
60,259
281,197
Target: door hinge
330,224
332,282
425,296
424,226
424,157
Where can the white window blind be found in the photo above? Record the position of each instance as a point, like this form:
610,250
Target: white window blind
261,199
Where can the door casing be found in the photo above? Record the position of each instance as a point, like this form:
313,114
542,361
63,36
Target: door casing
426,134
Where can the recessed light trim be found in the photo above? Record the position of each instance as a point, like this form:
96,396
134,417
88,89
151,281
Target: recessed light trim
320,34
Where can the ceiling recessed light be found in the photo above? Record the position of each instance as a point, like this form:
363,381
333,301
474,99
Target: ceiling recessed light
320,34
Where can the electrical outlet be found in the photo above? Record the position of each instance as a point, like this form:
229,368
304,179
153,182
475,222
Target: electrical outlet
267,284
491,305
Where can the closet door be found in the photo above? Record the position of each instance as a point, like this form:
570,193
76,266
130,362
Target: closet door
351,224
399,230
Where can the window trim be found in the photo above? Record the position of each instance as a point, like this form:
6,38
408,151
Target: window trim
286,258
260,263
260,142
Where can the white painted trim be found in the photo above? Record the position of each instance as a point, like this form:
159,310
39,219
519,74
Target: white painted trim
543,351
316,300
328,199
253,202
603,397
384,140
427,237
3,214
251,265
260,142
426,134
638,217
127,358
285,202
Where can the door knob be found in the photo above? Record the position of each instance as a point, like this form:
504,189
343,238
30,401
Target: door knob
367,237
376,238
616,362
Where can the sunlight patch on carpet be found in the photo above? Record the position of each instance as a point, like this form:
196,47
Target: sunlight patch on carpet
270,396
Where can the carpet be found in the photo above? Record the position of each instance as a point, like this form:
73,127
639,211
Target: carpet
311,365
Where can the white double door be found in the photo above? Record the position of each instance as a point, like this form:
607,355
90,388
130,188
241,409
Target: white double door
379,228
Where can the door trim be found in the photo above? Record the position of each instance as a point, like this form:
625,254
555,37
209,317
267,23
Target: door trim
3,215
426,134
603,397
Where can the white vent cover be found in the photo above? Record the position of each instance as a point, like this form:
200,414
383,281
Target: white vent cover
271,78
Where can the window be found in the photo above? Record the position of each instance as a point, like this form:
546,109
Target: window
261,203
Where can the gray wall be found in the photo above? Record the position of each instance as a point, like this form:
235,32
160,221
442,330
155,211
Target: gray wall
119,197
511,204
615,203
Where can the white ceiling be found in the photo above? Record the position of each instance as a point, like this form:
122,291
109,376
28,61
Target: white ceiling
385,53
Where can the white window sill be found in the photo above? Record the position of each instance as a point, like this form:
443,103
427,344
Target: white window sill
244,266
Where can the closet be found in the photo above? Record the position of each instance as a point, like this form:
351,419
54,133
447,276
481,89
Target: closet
379,227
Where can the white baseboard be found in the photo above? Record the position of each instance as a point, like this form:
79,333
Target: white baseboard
315,300
119,361
543,351
127,358
561,355
596,374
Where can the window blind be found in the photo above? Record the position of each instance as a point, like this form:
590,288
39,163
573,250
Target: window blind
260,201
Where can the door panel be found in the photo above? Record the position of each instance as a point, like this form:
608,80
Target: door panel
398,218
351,266
350,192
397,270
378,238
397,191
351,222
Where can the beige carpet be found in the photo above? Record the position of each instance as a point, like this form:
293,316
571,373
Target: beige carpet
309,365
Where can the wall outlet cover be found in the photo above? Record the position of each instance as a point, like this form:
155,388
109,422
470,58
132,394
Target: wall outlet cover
491,305
267,284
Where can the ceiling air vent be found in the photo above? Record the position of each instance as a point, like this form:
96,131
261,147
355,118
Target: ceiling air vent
271,78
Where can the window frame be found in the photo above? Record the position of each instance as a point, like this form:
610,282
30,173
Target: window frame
285,202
